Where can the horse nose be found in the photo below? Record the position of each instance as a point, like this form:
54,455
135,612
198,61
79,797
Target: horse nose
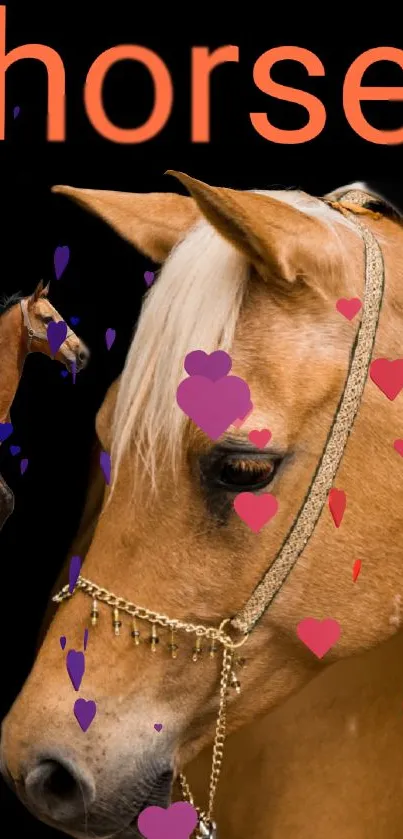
83,356
58,788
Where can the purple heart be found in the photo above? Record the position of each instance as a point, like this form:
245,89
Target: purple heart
213,366
110,336
84,712
75,663
64,373
62,640
24,465
15,450
73,371
177,822
213,406
105,463
85,638
149,277
6,430
74,570
16,111
57,333
74,321
158,726
60,259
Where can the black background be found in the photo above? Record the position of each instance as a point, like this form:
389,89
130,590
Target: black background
103,284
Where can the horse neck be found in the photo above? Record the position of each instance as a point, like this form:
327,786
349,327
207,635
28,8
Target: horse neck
13,352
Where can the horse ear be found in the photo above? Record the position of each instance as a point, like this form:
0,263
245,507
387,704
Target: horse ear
38,292
152,222
45,291
279,240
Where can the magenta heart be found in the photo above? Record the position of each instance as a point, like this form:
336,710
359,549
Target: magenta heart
213,406
241,420
75,663
84,712
319,636
57,334
177,822
213,366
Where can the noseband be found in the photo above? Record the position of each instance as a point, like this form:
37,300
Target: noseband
30,331
297,538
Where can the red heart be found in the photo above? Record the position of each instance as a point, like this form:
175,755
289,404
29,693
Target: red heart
349,308
255,510
260,438
398,445
388,376
337,504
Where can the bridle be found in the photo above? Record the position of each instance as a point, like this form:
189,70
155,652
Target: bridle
298,536
28,326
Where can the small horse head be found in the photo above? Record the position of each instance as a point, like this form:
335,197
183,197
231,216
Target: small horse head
257,275
38,313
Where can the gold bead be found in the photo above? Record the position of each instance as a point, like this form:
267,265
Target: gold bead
172,647
213,648
135,632
154,640
234,682
116,623
197,649
94,612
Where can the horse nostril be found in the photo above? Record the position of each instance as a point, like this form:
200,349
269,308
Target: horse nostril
59,790
83,356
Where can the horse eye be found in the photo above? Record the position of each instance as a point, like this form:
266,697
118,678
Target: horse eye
47,318
238,475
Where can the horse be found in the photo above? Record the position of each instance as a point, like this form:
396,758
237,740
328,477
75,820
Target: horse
275,264
23,330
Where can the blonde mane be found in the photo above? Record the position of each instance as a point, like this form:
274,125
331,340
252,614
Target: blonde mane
195,304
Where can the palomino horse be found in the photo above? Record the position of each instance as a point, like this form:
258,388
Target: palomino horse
168,540
23,324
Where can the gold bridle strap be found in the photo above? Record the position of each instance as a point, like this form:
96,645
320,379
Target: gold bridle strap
315,500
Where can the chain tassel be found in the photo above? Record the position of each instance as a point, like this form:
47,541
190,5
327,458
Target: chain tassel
94,612
135,633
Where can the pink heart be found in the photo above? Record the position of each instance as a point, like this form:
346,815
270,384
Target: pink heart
319,636
398,445
213,366
349,308
260,438
255,510
337,501
388,376
213,406
240,421
177,822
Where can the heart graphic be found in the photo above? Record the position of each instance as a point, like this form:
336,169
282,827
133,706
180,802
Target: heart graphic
356,569
260,438
349,308
240,421
74,570
110,336
149,277
398,445
213,406
24,465
177,822
6,430
86,633
75,663
213,366
60,259
57,334
74,320
105,463
64,373
337,501
319,636
255,510
158,726
62,640
388,376
16,111
15,450
84,712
